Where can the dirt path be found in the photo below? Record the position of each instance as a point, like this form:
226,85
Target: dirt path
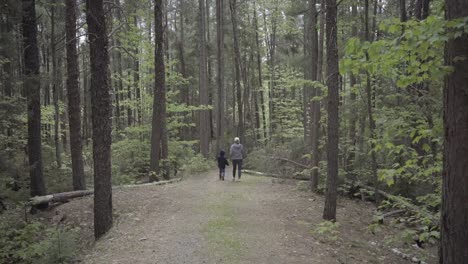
204,220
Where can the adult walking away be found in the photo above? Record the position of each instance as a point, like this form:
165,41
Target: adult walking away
237,155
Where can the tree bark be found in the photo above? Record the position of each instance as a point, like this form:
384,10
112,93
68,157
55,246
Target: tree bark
101,116
317,107
261,91
204,118
370,104
73,90
220,123
350,159
32,86
454,212
159,150
314,106
237,66
55,85
329,212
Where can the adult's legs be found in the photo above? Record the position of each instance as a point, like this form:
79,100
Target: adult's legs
239,168
235,164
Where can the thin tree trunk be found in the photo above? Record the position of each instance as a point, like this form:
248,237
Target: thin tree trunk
237,66
454,212
136,80
55,86
316,155
313,106
260,77
350,159
32,86
204,117
101,116
73,89
369,101
329,212
209,69
220,77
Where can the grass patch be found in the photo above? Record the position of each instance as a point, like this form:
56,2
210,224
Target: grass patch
221,231
249,179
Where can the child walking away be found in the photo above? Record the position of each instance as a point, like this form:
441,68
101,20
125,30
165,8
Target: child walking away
222,163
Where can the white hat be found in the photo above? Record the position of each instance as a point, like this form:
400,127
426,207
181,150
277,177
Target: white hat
236,139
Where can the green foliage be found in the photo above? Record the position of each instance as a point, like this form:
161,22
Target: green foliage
35,242
327,230
197,164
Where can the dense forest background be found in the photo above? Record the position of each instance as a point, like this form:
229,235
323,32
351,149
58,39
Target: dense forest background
185,77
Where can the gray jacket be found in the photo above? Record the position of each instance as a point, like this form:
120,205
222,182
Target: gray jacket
237,151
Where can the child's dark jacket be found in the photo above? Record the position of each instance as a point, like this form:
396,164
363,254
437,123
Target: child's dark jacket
222,161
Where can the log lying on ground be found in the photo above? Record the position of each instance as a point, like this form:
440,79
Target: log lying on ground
275,175
293,162
65,196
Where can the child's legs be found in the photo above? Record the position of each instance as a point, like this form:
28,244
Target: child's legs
221,172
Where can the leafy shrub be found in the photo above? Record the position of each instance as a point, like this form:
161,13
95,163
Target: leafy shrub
197,164
35,242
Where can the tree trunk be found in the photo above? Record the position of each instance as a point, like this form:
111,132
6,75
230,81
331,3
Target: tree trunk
260,77
184,90
136,80
329,212
370,104
73,89
403,15
220,76
204,122
32,86
55,86
159,151
101,116
317,108
454,212
237,66
313,109
350,159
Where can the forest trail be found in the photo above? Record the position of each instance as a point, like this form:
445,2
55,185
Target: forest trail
204,220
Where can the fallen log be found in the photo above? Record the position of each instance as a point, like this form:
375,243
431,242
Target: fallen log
275,175
293,162
65,196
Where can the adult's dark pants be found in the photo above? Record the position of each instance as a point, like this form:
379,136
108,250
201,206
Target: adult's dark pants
236,164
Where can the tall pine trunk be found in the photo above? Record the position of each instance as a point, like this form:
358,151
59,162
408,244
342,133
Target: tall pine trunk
220,123
73,90
454,213
159,149
313,109
237,66
260,77
55,85
32,86
329,211
204,118
101,116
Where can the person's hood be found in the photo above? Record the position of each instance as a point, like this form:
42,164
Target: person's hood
222,153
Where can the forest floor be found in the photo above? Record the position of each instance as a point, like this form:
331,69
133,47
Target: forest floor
255,220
